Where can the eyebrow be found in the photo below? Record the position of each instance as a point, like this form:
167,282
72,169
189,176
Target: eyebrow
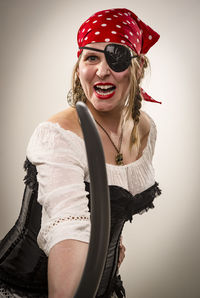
92,49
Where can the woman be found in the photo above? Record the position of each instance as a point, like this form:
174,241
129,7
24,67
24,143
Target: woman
107,77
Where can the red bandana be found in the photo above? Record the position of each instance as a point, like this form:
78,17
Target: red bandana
121,26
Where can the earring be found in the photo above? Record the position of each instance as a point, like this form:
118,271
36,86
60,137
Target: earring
70,98
78,91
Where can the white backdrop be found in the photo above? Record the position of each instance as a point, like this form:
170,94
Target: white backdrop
37,54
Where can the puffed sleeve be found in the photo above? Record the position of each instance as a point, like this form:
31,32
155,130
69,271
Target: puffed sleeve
150,148
59,156
152,137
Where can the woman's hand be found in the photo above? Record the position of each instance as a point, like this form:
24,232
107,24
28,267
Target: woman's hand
122,250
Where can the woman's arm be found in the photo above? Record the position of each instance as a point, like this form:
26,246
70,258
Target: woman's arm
65,267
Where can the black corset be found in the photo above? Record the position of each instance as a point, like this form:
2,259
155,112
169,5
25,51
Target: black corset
23,265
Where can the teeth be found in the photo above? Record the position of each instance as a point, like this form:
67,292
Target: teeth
104,86
103,92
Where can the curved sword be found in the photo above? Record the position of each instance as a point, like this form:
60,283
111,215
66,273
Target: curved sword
100,206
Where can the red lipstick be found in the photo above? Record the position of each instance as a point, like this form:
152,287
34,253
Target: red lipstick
104,90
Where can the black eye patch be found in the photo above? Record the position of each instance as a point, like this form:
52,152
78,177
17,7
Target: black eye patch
117,56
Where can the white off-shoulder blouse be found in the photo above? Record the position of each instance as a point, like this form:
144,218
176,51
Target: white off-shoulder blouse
60,158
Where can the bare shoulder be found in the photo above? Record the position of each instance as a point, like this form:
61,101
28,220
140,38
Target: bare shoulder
67,119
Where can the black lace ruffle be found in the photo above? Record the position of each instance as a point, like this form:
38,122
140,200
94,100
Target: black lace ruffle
124,205
20,292
31,175
143,201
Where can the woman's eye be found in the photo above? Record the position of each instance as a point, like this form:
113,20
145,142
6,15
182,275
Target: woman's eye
92,58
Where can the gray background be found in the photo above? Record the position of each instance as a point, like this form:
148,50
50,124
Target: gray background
37,54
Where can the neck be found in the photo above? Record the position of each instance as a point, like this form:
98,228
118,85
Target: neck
110,120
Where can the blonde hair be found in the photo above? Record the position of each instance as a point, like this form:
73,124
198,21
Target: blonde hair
135,98
134,101
76,93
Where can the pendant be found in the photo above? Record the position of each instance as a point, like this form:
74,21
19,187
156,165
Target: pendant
119,159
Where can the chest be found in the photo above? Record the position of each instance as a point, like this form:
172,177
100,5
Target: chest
114,148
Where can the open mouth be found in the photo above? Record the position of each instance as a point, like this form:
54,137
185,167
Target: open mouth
104,89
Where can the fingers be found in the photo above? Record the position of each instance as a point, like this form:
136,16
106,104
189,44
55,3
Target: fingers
122,250
120,242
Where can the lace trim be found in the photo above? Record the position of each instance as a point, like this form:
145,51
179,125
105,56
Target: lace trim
31,175
10,293
69,218
52,224
5,293
143,201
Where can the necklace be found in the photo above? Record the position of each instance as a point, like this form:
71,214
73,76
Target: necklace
119,156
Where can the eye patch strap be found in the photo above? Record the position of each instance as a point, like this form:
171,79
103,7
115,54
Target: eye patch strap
88,48
101,51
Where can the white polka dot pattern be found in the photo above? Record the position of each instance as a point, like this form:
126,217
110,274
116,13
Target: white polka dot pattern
118,25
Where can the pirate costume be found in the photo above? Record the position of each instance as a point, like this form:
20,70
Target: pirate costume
56,202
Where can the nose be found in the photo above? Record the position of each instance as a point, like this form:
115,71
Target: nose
103,69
